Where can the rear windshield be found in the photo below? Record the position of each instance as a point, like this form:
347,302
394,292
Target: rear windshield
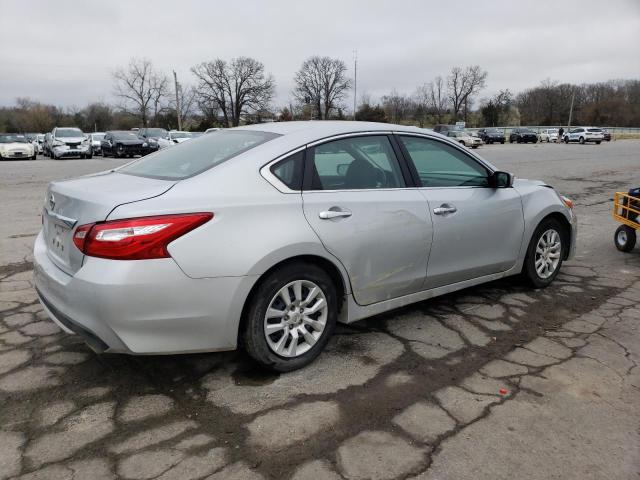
187,159
68,132
597,130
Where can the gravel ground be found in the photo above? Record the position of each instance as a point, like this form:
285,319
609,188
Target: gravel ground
497,381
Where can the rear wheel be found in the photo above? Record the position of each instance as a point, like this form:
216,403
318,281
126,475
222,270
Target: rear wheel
598,142
581,140
544,255
625,238
291,317
566,140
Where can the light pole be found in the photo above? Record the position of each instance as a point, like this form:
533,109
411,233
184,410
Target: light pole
355,82
175,81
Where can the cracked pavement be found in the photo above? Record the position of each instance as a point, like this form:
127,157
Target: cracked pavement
496,381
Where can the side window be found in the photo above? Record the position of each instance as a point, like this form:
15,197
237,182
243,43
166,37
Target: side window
355,163
289,170
442,165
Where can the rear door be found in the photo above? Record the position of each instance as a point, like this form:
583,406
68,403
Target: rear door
477,230
357,201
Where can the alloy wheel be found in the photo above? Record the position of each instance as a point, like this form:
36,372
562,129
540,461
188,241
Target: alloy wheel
296,318
548,252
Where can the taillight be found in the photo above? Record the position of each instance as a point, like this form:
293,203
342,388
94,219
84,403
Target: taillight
136,238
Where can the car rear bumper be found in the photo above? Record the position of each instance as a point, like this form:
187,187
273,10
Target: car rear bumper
141,307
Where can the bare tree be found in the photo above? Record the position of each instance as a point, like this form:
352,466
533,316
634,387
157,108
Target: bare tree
141,89
462,85
434,98
322,82
234,88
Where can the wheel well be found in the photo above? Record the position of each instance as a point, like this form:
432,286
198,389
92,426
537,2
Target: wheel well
321,262
566,231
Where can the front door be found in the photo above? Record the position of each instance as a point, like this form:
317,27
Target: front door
358,205
478,230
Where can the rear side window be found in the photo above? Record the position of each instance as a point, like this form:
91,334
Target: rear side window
289,170
441,165
355,163
190,158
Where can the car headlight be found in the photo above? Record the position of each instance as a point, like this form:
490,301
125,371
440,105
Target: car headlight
145,144
58,143
152,141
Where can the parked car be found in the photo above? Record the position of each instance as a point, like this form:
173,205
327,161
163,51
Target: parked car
155,136
95,139
177,136
443,129
14,146
606,135
69,142
523,135
584,135
491,135
221,240
119,143
37,140
548,135
46,146
464,138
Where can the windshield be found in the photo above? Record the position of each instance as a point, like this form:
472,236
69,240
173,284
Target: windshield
180,135
156,132
13,139
124,135
191,158
552,130
97,136
68,132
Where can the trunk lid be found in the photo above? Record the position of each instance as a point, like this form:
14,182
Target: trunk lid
71,203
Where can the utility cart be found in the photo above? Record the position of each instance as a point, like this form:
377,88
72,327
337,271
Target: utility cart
626,210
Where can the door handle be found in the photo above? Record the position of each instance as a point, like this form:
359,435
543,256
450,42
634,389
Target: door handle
329,214
445,209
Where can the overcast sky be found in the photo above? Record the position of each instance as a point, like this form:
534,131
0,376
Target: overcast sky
64,52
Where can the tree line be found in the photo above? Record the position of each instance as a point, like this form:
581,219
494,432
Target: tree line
228,93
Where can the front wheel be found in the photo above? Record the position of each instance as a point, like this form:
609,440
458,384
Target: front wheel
291,317
566,140
544,255
598,142
625,238
581,140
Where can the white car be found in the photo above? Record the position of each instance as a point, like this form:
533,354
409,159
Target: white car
548,135
583,135
15,146
465,138
69,142
95,139
177,136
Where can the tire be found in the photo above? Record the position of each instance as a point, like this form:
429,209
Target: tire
531,275
598,142
267,296
581,140
510,140
34,157
566,140
89,156
501,142
625,238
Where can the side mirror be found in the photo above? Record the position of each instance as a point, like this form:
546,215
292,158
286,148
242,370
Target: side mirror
501,180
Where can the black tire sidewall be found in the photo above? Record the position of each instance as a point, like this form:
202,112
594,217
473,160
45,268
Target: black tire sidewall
253,336
631,239
529,269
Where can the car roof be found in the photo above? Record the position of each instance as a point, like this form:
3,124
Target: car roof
326,128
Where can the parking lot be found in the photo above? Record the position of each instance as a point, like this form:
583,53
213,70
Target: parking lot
497,381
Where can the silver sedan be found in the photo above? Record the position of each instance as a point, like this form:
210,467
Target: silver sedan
267,235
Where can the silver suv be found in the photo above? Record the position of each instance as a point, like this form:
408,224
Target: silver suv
69,142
